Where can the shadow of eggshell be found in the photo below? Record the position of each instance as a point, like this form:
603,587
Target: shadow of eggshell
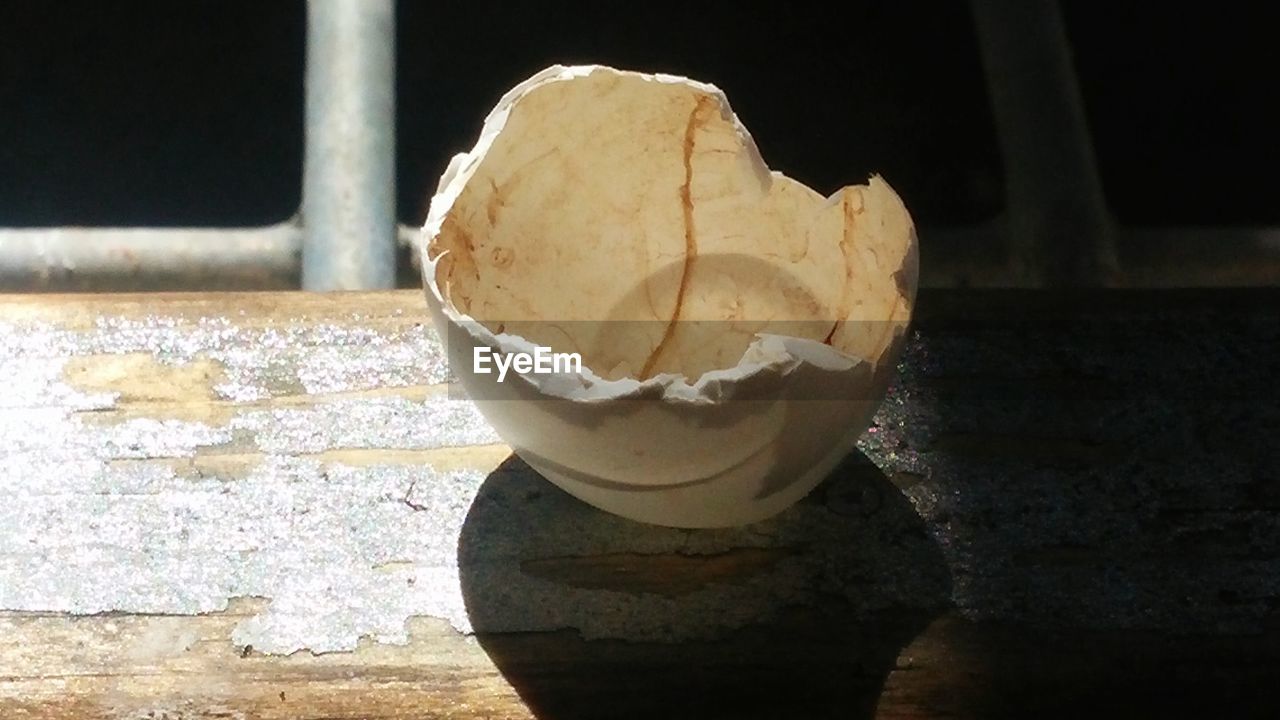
803,616
734,326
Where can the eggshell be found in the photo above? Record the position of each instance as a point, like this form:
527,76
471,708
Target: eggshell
736,328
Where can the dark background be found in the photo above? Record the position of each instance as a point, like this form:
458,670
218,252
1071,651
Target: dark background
164,113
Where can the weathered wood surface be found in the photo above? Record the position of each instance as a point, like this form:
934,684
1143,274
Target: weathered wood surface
1070,505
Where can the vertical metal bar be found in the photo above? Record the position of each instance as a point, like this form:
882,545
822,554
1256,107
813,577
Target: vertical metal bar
348,186
1058,223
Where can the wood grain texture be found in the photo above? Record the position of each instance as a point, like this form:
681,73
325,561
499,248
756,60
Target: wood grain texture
1089,528
186,667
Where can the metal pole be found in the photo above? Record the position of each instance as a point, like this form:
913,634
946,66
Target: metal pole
348,186
76,258
269,258
1059,228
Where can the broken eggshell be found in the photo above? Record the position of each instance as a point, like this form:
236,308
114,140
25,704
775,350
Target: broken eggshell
736,328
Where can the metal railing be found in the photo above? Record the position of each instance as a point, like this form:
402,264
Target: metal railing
345,235
1055,231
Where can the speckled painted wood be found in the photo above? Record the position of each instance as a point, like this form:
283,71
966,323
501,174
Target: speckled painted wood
1069,504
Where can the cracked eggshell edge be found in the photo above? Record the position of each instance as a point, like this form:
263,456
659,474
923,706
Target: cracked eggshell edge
768,353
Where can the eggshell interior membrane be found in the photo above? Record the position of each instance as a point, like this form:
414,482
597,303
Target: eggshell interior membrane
630,218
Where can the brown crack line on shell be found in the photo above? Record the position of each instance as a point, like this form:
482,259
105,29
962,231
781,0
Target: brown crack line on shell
845,244
690,238
900,300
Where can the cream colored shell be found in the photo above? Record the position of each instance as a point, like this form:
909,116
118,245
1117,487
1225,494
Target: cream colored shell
736,327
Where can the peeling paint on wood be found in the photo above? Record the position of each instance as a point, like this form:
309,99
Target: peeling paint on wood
1069,494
